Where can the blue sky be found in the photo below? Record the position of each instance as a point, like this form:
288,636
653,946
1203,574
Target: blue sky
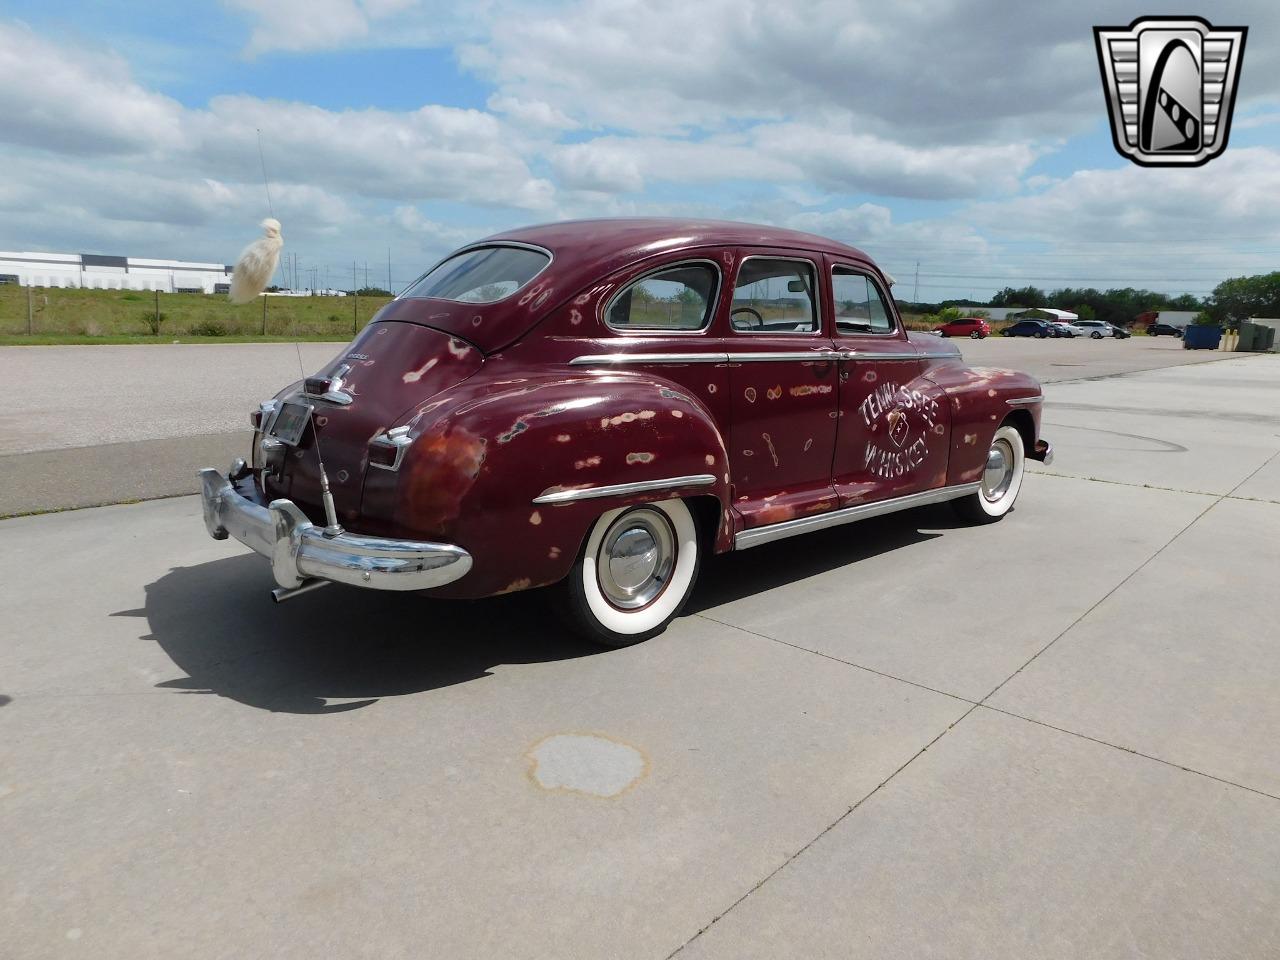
970,137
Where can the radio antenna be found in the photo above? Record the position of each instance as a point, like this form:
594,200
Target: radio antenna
265,183
332,527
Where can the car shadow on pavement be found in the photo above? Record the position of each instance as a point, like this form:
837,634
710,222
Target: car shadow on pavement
217,622
737,575
341,649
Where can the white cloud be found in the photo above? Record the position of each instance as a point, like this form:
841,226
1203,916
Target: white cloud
77,101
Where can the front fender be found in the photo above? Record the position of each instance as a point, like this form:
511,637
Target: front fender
979,399
484,453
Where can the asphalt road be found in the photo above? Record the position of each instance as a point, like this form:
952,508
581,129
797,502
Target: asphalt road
109,424
1052,737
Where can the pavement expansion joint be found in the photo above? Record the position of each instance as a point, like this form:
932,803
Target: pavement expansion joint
1130,750
828,656
822,833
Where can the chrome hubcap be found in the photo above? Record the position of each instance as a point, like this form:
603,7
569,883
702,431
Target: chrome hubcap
999,472
636,557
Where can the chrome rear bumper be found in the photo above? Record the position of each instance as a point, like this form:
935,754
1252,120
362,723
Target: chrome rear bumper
300,552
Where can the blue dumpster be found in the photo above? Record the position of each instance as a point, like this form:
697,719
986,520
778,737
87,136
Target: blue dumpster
1199,336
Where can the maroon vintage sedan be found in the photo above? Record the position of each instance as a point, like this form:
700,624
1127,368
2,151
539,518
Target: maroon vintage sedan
598,404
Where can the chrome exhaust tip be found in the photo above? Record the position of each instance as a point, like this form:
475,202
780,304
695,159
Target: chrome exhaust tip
281,594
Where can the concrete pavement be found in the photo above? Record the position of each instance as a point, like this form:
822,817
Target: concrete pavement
1050,737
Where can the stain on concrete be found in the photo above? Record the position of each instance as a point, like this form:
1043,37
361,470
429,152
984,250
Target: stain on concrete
589,764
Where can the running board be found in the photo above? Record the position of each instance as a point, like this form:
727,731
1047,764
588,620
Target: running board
863,511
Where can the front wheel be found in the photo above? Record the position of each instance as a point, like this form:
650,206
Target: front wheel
975,336
1001,479
635,572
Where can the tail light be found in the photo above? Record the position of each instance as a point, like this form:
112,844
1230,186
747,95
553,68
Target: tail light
328,388
386,450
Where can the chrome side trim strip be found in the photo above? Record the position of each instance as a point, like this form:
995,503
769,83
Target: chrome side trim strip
552,495
863,511
602,359
877,355
1025,401
766,356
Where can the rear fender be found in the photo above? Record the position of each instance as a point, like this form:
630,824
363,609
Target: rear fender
492,446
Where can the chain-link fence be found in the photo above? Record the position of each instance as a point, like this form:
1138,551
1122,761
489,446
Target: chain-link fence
112,313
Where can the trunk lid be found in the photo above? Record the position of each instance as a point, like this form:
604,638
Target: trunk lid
387,373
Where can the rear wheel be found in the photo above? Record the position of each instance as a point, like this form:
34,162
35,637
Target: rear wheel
635,572
1097,335
1001,479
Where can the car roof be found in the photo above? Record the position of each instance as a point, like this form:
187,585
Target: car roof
631,238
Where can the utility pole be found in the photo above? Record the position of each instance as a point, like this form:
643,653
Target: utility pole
30,311
366,275
915,291
389,290
264,314
355,297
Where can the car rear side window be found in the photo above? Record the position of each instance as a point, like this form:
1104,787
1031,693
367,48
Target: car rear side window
859,306
679,297
481,275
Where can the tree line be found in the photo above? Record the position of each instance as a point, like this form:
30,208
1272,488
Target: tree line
1231,301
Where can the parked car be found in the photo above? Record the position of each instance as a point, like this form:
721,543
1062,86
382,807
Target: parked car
601,404
975,328
1163,330
1029,328
1063,328
1098,329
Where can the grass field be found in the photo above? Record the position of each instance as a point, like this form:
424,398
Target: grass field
128,316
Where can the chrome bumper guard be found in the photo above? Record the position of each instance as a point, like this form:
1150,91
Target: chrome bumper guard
302,553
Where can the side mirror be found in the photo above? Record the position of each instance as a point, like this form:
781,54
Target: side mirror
797,286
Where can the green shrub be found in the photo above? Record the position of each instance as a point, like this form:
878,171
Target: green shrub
154,320
209,328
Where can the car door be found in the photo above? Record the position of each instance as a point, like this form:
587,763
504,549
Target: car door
892,435
782,380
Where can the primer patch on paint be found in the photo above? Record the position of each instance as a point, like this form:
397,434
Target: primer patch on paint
633,458
413,376
584,763
773,393
535,518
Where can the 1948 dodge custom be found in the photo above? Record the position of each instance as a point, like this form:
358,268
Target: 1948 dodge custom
600,403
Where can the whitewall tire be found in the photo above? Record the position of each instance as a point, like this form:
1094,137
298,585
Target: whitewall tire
1001,479
636,570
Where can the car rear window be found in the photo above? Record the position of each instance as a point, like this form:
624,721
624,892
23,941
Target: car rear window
481,275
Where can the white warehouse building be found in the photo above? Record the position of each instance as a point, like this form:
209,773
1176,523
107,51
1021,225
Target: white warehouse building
96,272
